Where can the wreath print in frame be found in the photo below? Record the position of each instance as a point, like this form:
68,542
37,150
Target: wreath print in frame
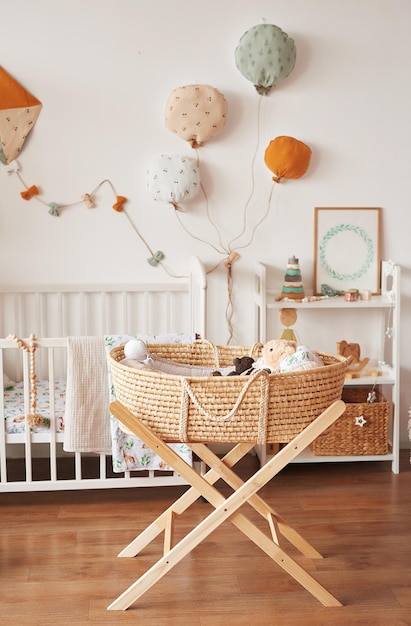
347,249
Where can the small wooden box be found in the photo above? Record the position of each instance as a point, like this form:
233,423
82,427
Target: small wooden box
361,430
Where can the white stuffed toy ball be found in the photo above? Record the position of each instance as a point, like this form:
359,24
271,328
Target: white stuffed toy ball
135,349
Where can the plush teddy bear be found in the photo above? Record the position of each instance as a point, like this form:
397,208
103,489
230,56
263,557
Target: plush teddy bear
280,355
242,367
273,353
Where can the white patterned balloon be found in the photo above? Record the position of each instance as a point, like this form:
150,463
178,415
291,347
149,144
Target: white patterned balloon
173,178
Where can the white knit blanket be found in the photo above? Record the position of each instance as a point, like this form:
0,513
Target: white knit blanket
87,418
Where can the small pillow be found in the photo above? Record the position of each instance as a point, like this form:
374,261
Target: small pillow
134,363
137,355
175,368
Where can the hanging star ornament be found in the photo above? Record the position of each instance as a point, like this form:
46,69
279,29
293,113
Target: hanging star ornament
372,396
360,421
389,332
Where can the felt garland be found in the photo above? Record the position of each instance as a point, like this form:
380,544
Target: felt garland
88,199
54,208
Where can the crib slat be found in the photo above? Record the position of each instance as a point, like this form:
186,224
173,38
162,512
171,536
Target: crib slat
77,466
53,425
27,433
103,475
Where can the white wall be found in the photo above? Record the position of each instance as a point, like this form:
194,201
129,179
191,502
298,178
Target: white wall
103,70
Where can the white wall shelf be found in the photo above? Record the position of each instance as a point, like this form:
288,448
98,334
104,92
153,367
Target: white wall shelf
382,311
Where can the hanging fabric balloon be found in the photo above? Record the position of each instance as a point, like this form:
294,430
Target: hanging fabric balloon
173,179
287,157
196,113
265,55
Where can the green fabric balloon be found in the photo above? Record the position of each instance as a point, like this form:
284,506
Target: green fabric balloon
265,55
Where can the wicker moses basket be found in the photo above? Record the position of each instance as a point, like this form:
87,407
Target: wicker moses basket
260,408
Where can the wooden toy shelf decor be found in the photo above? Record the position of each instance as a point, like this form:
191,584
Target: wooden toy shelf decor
374,323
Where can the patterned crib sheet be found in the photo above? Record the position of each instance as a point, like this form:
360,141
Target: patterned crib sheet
129,452
14,410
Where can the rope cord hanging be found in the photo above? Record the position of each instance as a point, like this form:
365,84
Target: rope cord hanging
33,418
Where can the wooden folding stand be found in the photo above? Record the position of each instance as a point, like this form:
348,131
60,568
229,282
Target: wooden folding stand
224,508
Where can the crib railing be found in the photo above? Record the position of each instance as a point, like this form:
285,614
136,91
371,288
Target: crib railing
36,461
53,313
87,310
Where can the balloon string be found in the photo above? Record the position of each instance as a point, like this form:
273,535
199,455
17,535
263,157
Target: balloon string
210,219
259,222
246,207
230,248
231,256
177,214
207,205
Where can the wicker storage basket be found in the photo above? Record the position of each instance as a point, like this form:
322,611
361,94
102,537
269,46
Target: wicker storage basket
258,408
351,435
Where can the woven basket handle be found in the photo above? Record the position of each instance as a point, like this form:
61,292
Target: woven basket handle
253,352
188,392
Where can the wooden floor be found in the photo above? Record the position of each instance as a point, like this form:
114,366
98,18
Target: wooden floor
59,565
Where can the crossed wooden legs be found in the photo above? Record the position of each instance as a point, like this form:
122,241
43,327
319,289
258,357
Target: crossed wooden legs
224,508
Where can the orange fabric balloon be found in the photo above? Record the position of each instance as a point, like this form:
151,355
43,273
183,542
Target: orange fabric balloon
287,157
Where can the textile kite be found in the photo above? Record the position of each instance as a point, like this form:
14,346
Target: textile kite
19,111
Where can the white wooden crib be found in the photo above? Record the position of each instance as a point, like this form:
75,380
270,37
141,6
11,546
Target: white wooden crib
36,461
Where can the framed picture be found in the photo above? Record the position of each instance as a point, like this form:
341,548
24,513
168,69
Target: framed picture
347,249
